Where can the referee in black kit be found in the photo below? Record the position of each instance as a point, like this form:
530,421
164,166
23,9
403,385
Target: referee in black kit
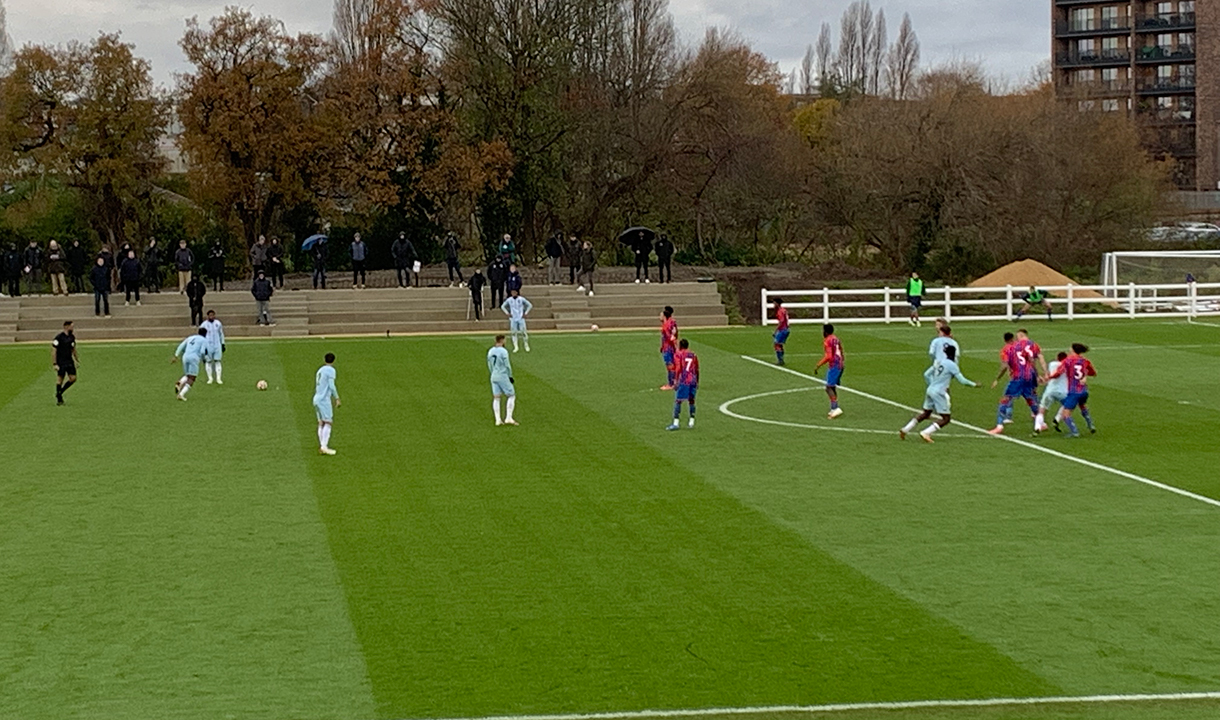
64,360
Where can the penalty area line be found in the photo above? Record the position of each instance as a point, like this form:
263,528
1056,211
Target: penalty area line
856,707
1023,443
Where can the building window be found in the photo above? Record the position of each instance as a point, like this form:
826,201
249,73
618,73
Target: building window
1109,76
1082,19
1186,7
1109,47
1164,72
1164,9
1086,48
1186,41
1086,105
1165,41
1109,17
1084,77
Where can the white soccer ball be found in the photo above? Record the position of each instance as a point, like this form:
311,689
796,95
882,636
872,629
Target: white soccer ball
594,328
262,385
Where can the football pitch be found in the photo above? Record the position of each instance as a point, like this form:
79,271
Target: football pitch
161,559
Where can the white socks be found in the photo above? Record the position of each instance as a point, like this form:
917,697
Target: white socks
526,338
495,407
514,342
186,387
512,403
910,427
324,435
207,366
930,430
218,371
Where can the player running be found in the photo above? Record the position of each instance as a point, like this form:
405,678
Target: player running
216,347
64,359
1078,370
192,350
1035,297
1055,393
832,358
943,339
669,345
501,382
516,308
936,398
687,365
1022,382
324,392
781,331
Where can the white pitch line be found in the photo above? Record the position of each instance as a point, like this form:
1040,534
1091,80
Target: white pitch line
724,408
856,707
1054,453
1107,348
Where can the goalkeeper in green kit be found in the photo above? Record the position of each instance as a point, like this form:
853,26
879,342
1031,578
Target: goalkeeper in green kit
1034,297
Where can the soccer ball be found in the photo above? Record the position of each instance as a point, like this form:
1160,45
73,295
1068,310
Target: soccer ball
594,328
262,385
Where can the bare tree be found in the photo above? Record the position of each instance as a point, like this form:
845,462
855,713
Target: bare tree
864,20
807,77
824,52
850,43
902,60
876,59
6,44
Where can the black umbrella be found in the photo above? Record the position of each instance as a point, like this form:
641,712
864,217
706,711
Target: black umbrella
631,236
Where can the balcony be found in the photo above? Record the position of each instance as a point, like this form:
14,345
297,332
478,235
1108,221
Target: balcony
1166,23
1167,116
1157,54
1093,28
1100,88
1184,85
1069,3
1096,58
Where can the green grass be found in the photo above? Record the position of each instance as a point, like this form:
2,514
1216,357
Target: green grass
201,560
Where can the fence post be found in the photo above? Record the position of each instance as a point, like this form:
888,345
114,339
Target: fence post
764,307
948,303
1192,306
1131,298
1071,302
887,305
825,305
1008,297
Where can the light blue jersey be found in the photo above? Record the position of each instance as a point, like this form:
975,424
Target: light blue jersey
941,374
192,350
516,308
1056,388
216,338
937,349
324,391
501,371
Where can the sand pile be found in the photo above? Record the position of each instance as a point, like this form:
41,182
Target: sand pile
1024,273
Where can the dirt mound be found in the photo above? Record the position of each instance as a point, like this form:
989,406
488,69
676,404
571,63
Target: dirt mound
1023,273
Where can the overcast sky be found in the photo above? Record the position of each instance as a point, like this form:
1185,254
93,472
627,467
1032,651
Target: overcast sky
1009,37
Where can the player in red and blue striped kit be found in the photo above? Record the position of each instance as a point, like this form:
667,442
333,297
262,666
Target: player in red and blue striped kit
1078,370
781,330
686,365
669,344
832,358
1017,360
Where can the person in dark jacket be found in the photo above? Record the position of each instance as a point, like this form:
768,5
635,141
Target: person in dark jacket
497,273
572,249
33,260
665,256
78,265
275,262
452,259
262,292
184,261
641,247
258,256
12,270
111,265
195,290
216,265
405,256
129,276
554,259
477,281
318,251
99,277
56,265
152,266
119,257
508,249
513,280
588,263
360,252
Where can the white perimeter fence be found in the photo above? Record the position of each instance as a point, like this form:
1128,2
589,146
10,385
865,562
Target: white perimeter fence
886,305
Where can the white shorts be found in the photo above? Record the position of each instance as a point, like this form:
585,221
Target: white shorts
1050,399
516,326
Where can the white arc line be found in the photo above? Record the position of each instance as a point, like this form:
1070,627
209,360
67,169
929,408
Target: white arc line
1054,453
852,707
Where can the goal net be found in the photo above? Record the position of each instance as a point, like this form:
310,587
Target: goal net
1118,269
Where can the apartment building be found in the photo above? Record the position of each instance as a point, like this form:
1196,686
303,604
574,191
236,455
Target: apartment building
1158,61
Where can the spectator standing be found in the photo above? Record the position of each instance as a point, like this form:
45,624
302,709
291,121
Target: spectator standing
513,280
508,249
497,274
588,263
275,262
477,281
641,247
452,260
262,292
33,258
56,264
184,260
258,256
665,256
318,251
195,290
359,253
78,265
129,276
554,259
404,255
10,269
152,266
99,277
573,252
108,256
216,265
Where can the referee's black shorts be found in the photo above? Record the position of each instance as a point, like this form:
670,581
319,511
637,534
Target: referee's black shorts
65,370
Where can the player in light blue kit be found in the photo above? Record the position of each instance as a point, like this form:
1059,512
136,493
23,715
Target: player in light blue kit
216,347
943,339
516,308
192,351
938,378
324,392
501,382
1055,393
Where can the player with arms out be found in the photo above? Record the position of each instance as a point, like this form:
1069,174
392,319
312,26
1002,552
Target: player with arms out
1022,382
669,345
1035,297
192,350
936,399
781,330
324,392
64,359
502,382
1055,392
516,308
687,365
832,358
216,347
1078,370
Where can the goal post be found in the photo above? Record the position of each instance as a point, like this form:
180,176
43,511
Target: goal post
1121,269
